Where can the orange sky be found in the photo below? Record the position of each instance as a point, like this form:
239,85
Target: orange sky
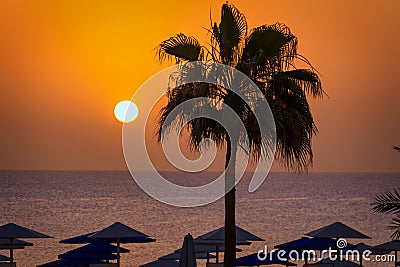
65,64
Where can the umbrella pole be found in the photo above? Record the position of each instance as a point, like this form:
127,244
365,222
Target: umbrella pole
11,251
118,259
216,254
108,260
208,257
395,258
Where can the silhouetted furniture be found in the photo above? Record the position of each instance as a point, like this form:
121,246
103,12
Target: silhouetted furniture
213,264
104,265
319,265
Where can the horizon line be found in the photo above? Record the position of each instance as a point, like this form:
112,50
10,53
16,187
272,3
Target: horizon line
211,171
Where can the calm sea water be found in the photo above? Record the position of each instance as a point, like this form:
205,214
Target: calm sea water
65,204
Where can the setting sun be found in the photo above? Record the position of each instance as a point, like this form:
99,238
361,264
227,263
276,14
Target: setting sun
126,111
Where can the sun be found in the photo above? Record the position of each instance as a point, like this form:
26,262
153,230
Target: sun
126,111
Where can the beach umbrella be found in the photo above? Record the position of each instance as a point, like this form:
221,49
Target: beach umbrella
4,258
187,256
217,242
13,247
217,238
93,251
361,247
305,243
253,260
393,245
99,248
316,243
16,242
177,255
11,231
118,231
337,230
85,238
241,235
161,263
311,244
69,263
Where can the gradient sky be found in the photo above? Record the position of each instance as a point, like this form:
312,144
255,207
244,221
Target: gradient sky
65,64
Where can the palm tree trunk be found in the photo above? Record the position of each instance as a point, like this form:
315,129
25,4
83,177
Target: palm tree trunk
230,201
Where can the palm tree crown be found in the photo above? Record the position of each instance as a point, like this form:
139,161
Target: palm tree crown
267,55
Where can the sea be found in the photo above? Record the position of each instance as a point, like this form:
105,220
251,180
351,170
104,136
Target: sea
64,204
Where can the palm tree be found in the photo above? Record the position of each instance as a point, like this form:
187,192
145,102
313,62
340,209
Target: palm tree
389,202
267,54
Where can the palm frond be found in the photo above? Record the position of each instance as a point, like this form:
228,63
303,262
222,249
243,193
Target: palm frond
396,227
295,125
306,79
233,26
388,202
294,149
269,44
199,128
180,47
231,31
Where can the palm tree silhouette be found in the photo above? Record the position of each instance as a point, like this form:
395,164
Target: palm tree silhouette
389,202
267,54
